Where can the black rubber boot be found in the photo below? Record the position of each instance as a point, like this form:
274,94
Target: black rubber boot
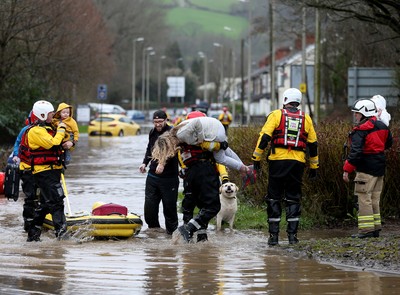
293,238
34,234
202,236
187,231
273,239
364,235
273,233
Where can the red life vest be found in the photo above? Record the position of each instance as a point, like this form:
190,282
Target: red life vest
192,154
290,133
40,156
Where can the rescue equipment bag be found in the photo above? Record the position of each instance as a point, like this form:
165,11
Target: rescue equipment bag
11,182
100,208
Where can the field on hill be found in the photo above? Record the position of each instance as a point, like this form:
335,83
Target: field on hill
206,16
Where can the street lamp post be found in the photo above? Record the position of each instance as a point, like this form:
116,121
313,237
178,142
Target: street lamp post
145,49
220,99
159,79
205,63
148,80
139,39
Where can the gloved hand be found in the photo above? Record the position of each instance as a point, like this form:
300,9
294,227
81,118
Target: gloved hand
182,173
257,166
223,145
312,174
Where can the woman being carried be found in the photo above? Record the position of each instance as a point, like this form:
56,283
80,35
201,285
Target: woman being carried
205,131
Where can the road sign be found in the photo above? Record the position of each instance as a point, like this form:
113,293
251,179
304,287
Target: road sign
176,86
102,92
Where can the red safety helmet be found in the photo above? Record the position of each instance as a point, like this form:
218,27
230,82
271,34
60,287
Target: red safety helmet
195,114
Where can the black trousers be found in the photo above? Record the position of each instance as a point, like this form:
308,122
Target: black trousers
51,199
163,190
201,188
284,183
29,188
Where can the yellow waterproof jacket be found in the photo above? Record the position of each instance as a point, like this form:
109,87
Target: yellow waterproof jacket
72,127
39,137
225,118
281,153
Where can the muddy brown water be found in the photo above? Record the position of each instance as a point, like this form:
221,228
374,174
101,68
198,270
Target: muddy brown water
152,262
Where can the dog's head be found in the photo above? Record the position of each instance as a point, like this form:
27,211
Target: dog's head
228,190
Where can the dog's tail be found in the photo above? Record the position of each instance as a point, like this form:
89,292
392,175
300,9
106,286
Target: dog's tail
250,177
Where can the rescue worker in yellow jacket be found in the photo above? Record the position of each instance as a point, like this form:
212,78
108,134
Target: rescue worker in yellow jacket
225,118
44,142
290,133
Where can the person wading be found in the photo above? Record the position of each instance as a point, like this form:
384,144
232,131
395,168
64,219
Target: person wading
45,148
161,186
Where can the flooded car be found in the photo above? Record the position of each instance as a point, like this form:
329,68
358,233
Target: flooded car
113,125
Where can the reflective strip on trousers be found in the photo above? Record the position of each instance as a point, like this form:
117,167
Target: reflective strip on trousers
293,219
195,223
366,223
377,219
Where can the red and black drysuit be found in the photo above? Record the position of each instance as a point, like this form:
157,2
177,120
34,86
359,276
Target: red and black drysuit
369,139
201,189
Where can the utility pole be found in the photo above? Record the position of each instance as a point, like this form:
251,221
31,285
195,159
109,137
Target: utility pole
317,67
159,79
242,77
249,88
303,61
140,39
273,103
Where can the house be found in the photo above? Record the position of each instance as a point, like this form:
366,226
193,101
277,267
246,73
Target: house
288,73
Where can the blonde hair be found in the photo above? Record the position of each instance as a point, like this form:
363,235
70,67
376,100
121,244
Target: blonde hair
165,147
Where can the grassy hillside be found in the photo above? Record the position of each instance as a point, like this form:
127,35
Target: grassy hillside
205,16
206,21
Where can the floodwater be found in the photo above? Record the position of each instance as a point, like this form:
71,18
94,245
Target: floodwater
153,263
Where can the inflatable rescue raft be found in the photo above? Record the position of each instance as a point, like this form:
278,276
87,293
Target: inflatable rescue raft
106,220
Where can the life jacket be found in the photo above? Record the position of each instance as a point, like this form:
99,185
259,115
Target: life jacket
192,154
40,156
291,133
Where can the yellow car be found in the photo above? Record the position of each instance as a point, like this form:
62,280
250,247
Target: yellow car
113,125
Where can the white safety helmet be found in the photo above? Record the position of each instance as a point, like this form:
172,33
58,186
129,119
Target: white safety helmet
41,109
365,106
380,101
292,95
